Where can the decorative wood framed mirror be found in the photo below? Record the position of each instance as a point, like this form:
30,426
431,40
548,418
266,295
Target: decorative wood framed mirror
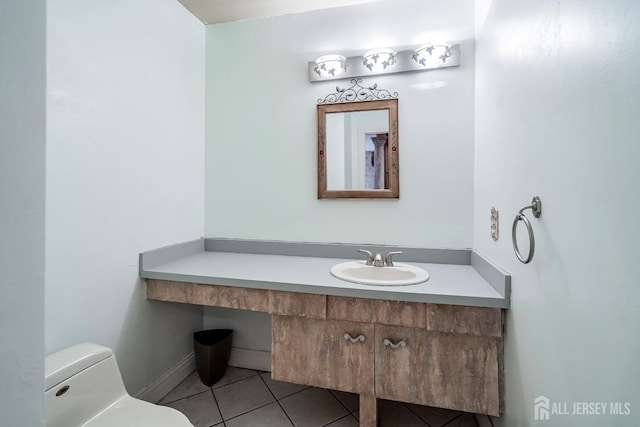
358,144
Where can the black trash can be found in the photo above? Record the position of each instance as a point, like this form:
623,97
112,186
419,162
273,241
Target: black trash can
212,349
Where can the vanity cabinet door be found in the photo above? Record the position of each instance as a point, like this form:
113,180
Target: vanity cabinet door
446,370
331,354
400,357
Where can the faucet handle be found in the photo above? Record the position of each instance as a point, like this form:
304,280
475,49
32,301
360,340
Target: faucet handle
388,260
368,254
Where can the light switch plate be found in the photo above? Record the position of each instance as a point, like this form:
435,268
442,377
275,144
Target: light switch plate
495,229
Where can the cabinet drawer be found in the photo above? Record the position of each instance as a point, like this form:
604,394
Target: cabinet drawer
462,372
209,295
316,352
465,320
297,304
400,313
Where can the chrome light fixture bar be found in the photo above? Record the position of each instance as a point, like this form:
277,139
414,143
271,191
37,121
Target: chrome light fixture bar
330,66
430,56
384,61
379,60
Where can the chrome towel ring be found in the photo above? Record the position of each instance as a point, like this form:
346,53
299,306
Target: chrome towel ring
536,208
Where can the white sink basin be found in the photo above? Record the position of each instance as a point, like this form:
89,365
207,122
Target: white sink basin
398,275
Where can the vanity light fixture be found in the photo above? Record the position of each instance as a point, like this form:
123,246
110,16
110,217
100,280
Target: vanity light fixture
378,60
430,56
385,61
330,65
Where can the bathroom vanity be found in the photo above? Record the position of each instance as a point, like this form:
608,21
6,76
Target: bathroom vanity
439,343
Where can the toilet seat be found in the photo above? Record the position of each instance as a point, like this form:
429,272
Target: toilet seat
131,412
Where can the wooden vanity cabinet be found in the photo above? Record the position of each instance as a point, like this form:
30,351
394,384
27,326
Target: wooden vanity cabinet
333,354
429,354
401,370
440,355
445,370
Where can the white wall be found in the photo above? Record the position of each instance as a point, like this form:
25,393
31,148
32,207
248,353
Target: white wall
22,212
336,136
251,335
261,128
360,124
260,175
125,173
557,115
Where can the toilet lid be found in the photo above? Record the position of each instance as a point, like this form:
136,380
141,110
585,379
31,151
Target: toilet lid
130,412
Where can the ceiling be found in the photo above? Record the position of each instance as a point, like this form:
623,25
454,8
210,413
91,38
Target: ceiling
218,11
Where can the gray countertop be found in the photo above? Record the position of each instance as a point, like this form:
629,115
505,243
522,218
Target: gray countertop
190,262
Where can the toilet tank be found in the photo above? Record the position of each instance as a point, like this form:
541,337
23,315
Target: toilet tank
80,382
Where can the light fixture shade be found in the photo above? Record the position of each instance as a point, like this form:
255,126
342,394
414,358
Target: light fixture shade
330,65
377,60
432,56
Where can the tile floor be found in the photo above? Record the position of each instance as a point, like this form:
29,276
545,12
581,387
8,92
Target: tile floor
247,398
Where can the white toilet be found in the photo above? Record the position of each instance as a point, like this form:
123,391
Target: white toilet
84,388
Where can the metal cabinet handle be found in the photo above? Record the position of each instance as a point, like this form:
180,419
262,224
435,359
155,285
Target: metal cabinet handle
388,342
348,337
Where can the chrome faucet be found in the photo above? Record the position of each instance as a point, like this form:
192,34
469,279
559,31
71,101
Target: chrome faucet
377,260
388,259
369,256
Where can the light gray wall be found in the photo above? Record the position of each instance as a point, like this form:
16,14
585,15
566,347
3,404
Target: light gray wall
261,134
558,116
125,173
244,324
22,212
261,128
336,135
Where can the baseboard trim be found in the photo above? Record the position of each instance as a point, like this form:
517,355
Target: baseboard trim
167,381
240,358
484,420
250,359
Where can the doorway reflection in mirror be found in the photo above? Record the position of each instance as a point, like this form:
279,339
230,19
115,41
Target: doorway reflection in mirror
357,144
377,171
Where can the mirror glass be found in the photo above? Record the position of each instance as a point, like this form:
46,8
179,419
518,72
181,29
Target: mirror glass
358,150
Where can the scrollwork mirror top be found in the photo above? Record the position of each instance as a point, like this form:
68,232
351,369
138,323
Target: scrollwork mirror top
358,143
